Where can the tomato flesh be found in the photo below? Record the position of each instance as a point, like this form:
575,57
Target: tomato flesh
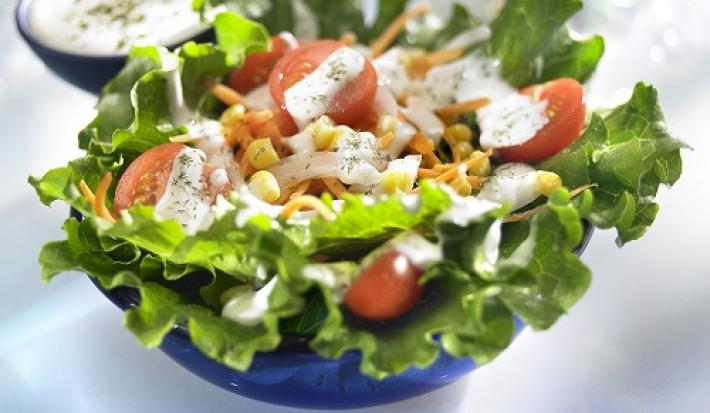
386,289
257,66
565,111
351,103
146,178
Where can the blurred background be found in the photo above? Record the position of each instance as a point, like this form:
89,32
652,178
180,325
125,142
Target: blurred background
639,341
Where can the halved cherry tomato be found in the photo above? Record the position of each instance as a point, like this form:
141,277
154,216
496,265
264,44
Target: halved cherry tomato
257,66
349,105
146,178
566,111
386,289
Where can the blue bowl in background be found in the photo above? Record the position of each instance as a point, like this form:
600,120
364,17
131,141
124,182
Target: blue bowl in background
89,72
293,375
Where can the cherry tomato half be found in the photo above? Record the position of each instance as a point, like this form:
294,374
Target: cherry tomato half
566,111
257,66
349,105
146,178
386,289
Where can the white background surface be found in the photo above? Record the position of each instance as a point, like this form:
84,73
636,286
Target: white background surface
639,341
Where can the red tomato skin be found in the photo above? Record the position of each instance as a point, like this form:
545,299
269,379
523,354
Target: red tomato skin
386,289
566,111
146,177
353,101
257,66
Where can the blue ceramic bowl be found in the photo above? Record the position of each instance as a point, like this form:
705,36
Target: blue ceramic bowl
292,375
89,72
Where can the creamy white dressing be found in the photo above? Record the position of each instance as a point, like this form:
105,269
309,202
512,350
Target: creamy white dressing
311,97
338,279
208,137
391,71
512,183
247,307
252,206
511,121
470,78
105,27
297,168
187,199
219,178
465,211
259,99
170,66
359,157
419,113
420,251
384,102
403,134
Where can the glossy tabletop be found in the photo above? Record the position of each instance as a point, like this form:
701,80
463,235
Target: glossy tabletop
637,342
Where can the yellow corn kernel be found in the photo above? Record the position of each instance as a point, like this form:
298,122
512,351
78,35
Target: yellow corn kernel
460,132
263,185
323,132
465,148
461,186
261,153
547,182
233,114
482,168
396,181
386,124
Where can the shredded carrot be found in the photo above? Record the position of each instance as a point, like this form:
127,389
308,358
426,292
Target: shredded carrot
226,94
86,191
100,199
450,114
430,159
420,143
475,181
335,186
389,35
386,139
426,173
301,189
421,64
455,149
261,116
185,138
348,39
244,165
451,173
237,133
307,202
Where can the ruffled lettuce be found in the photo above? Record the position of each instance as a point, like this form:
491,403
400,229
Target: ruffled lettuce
470,297
627,155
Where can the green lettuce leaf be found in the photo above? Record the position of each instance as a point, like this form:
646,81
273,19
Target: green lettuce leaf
533,46
627,155
239,36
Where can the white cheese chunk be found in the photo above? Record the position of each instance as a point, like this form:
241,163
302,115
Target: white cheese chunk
513,183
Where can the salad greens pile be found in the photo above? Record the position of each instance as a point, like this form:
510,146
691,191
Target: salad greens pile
625,154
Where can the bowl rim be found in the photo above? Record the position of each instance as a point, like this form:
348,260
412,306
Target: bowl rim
22,21
124,298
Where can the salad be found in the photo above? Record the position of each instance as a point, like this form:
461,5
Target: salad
392,188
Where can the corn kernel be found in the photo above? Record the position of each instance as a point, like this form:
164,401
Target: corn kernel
462,186
465,148
386,124
323,131
547,182
261,154
460,132
264,186
396,181
482,168
233,114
